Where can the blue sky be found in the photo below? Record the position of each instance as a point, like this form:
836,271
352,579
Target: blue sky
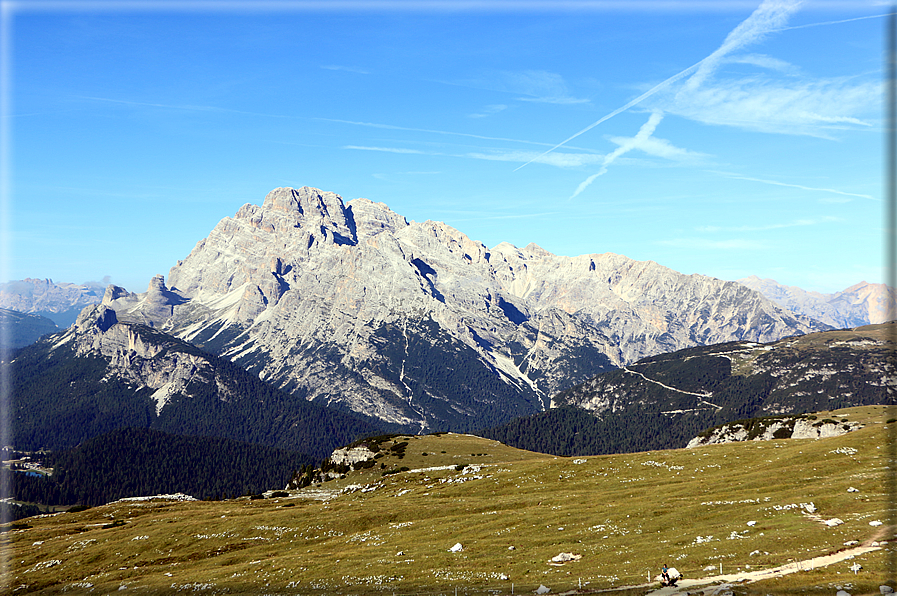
750,143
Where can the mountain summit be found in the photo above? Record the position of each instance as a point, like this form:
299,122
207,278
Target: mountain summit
418,325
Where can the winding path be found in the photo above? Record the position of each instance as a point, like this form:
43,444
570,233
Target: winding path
700,396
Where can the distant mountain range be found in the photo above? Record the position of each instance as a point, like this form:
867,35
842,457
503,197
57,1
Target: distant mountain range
415,325
59,302
860,304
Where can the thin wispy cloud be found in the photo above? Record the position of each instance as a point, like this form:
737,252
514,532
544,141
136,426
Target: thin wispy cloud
660,148
791,106
388,150
428,131
800,186
344,68
705,244
634,102
624,146
489,111
763,61
813,108
562,160
183,107
765,228
874,16
527,85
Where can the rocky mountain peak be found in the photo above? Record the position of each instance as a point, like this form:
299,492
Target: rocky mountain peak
315,207
96,316
373,218
114,292
419,325
157,285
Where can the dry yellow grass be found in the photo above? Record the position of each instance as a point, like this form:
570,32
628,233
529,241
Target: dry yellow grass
625,514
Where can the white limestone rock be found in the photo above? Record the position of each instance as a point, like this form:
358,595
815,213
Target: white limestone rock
784,427
354,305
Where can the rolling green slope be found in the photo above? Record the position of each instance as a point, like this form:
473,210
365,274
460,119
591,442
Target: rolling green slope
746,507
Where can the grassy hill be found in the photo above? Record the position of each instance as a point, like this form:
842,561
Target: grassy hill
370,533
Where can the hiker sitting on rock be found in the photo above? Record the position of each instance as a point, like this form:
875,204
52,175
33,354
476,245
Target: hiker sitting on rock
665,573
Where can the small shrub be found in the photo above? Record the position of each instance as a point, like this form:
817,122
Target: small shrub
78,508
115,524
279,493
18,526
890,420
782,433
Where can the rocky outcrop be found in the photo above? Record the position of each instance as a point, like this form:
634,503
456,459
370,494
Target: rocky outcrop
105,373
780,427
419,325
349,456
133,357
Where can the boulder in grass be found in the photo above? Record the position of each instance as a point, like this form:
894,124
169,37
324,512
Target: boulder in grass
457,548
565,558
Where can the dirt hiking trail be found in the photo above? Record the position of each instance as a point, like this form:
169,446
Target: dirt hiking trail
751,576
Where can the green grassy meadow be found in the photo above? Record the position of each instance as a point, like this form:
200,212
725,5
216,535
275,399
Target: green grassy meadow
511,510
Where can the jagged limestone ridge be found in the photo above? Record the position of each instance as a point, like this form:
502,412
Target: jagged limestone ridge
312,293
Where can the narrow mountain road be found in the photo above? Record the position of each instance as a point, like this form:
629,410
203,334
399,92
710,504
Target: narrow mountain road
701,396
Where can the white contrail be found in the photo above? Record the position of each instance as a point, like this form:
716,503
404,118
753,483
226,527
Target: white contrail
635,142
874,16
638,99
800,186
769,16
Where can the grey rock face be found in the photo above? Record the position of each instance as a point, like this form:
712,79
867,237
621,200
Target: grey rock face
132,358
419,325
